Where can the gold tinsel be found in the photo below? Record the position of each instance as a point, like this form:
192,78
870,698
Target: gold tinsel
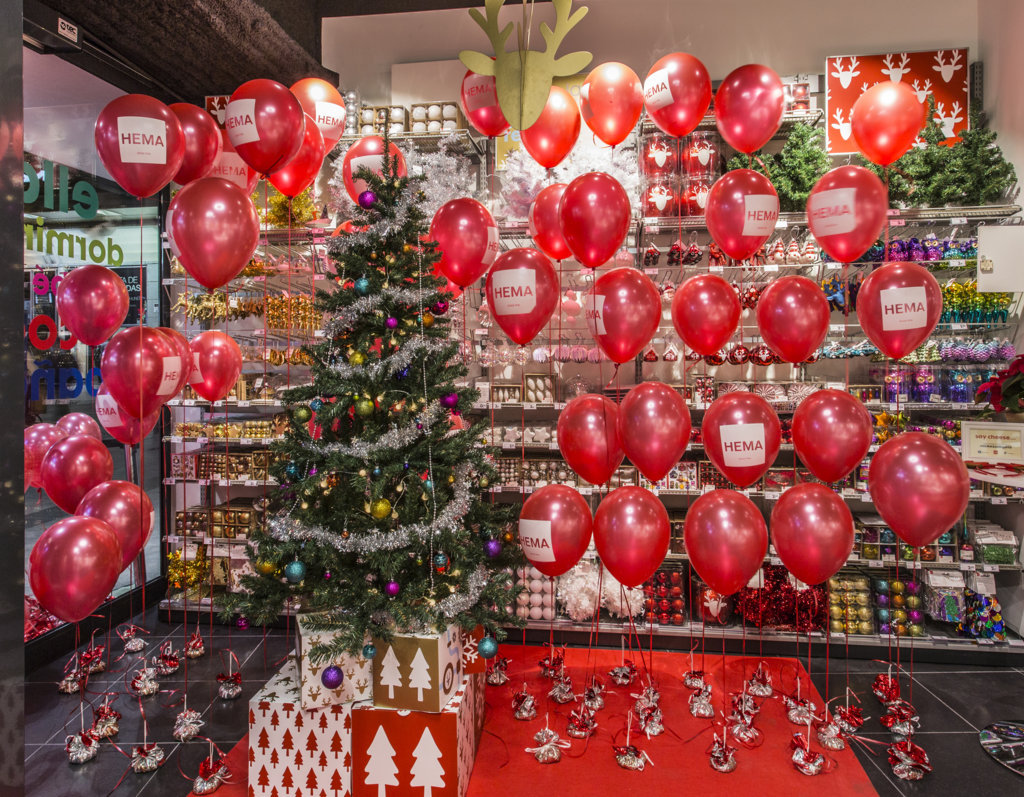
183,576
274,212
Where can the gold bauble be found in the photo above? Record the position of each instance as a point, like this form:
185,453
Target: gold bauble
323,484
428,320
451,478
265,568
380,509
364,408
484,482
362,473
356,358
407,248
304,505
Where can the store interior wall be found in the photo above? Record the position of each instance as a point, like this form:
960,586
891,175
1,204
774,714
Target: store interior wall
1000,25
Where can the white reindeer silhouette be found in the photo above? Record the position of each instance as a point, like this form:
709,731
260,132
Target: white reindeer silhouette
844,128
894,72
947,122
846,76
923,90
947,70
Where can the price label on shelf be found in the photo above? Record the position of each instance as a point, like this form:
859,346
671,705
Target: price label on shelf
252,483
968,567
188,402
176,438
781,224
771,268
897,222
990,568
892,212
508,445
866,497
834,328
319,333
553,446
530,405
168,481
204,482
958,327
957,263
874,562
833,266
998,499
559,405
202,440
244,403
915,565
651,272
716,269
958,220
771,496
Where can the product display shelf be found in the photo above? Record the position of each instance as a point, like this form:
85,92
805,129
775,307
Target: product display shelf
466,143
811,116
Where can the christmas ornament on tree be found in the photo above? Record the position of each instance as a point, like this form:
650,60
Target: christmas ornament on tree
392,588
492,548
380,509
302,414
295,571
332,677
364,407
369,651
367,199
488,647
361,286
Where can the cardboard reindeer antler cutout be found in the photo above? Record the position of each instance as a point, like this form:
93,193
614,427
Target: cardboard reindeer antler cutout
523,77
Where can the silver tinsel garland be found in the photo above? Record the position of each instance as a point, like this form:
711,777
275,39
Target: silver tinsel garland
447,171
345,319
380,229
393,438
467,596
396,362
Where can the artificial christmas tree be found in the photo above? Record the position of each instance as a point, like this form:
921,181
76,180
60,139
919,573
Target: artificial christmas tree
795,169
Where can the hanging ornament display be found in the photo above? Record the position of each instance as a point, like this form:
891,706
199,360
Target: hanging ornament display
295,571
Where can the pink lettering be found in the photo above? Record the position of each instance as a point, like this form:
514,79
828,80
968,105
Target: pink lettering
831,212
142,139
655,89
513,291
237,121
743,445
899,309
762,215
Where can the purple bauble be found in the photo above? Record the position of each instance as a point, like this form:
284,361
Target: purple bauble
392,588
450,400
913,587
332,677
915,616
884,629
440,307
492,548
392,322
242,622
367,200
312,471
883,600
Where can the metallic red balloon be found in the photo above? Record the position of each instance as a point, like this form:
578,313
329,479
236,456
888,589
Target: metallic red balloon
324,104
545,228
919,485
741,212
886,120
39,437
812,530
140,142
522,292
72,467
141,369
467,239
202,142
726,539
79,423
555,526
611,100
479,100
216,364
74,566
742,435
623,310
832,432
368,153
554,134
264,121
92,301
749,105
118,423
792,316
631,533
124,507
654,428
594,215
229,166
677,93
299,173
588,437
898,307
181,346
846,212
213,230
705,312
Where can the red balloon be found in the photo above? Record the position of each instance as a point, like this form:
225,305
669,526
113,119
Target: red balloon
594,216
677,93
264,122
72,467
792,315
742,435
140,142
73,566
141,369
812,530
741,212
726,539
846,212
181,346
467,238
229,166
631,533
919,485
299,173
124,507
832,432
39,437
555,526
748,107
611,99
213,230
216,364
705,312
588,437
368,152
554,134
623,310
92,301
324,103
545,228
122,426
654,428
522,292
886,120
479,100
898,307
79,423
202,142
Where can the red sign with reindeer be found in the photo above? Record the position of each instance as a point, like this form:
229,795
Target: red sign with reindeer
941,74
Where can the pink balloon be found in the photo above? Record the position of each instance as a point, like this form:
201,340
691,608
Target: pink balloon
726,539
181,346
588,437
216,365
741,212
467,238
522,292
544,225
229,166
611,100
742,435
368,153
832,432
631,533
885,120
140,142
124,507
846,212
73,566
122,426
898,307
792,316
202,142
79,423
555,526
298,174
92,301
479,100
265,123
654,428
72,467
554,134
213,230
919,485
812,530
749,105
594,214
623,310
705,312
677,93
141,369
39,437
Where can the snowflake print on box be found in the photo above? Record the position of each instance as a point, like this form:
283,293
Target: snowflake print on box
941,74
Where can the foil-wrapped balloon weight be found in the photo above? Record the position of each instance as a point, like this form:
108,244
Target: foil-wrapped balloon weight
651,721
624,674
497,672
722,757
901,719
230,685
760,683
167,661
562,692
799,710
144,683
908,760
700,704
693,679
211,776
886,688
805,761
830,736
629,757
549,747
593,696
187,725
70,683
81,747
146,758
195,648
524,706
581,723
106,720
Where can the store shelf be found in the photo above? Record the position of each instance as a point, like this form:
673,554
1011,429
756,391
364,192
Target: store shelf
463,143
170,481
811,116
205,539
229,404
241,441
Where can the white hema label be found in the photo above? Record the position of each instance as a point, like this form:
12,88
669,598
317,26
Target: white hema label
832,211
535,537
493,247
142,139
172,373
514,290
904,308
742,444
330,118
108,412
478,91
196,374
760,212
657,93
594,310
240,122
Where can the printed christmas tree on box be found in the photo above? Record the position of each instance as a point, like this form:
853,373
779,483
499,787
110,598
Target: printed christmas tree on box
419,673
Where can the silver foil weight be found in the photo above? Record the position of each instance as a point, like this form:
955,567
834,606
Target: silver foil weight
593,696
652,722
167,661
562,692
742,730
744,703
187,725
211,777
805,761
908,760
799,711
581,723
144,682
146,758
700,704
497,672
134,644
106,720
195,648
230,685
760,683
693,679
722,757
901,719
648,697
524,706
830,736
81,747
624,674
70,683
629,757
549,746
